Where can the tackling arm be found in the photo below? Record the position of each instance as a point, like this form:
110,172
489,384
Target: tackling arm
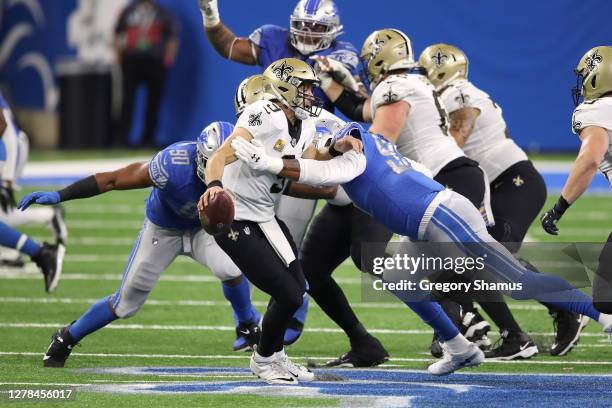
462,124
133,176
224,41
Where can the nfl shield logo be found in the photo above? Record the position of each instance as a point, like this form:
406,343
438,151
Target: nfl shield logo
279,146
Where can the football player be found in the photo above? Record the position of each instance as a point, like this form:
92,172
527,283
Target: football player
258,242
592,122
15,147
314,27
171,228
517,189
397,191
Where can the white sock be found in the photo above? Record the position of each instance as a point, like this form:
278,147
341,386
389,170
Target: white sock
262,359
605,319
457,344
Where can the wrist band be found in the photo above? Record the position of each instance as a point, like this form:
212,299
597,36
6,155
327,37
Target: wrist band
215,183
562,205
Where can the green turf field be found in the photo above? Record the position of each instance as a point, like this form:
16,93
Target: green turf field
188,323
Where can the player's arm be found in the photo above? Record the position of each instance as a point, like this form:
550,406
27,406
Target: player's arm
338,170
224,41
2,123
592,150
462,124
300,190
390,120
133,176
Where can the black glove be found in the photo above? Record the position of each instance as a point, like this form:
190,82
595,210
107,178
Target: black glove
550,218
7,198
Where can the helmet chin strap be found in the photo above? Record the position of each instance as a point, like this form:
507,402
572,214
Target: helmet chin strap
301,113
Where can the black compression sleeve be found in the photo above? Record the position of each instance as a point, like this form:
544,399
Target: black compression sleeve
87,187
351,105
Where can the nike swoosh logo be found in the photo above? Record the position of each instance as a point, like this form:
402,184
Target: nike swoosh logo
46,357
524,346
245,332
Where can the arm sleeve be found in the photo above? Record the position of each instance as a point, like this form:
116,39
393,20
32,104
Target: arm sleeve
338,170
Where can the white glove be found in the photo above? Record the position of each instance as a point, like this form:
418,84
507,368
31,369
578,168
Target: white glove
210,12
329,69
255,156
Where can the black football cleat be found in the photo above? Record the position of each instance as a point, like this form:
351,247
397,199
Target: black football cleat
568,327
59,225
250,332
368,353
59,349
512,346
50,260
474,326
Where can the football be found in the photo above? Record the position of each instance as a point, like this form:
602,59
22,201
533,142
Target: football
218,214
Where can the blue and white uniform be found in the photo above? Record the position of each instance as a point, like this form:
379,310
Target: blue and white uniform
396,193
171,228
14,147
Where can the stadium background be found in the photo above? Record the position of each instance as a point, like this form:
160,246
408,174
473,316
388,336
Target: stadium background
522,52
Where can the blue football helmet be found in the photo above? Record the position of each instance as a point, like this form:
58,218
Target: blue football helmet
211,138
314,25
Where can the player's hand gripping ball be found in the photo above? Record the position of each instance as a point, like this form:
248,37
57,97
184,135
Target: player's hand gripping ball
216,210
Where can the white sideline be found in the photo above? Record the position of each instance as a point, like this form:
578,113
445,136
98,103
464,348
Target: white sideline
187,327
247,355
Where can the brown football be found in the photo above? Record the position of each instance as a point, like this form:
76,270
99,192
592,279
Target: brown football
218,214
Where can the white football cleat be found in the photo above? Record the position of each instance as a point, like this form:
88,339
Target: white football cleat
300,372
453,362
271,370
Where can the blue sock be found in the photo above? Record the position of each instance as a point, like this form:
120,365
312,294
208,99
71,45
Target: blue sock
557,291
99,315
240,298
301,314
433,314
10,237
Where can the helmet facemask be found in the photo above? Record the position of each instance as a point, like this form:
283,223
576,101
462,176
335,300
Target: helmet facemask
310,36
304,104
577,95
201,164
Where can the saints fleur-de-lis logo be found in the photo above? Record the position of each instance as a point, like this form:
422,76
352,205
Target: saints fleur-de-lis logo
592,61
577,125
390,96
439,58
462,99
283,70
255,119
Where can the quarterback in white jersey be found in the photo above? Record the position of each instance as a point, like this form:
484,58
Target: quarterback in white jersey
592,122
257,241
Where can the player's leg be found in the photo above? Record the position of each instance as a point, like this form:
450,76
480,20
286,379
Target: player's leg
155,248
458,220
49,258
326,246
235,286
296,213
602,283
249,248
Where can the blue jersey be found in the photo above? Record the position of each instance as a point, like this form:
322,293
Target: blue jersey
274,43
390,189
173,201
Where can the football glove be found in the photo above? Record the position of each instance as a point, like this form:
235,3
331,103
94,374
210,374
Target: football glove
328,69
39,197
550,218
210,12
7,198
255,156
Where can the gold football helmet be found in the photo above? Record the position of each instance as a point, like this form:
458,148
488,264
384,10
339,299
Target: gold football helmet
383,51
444,63
250,90
285,81
594,74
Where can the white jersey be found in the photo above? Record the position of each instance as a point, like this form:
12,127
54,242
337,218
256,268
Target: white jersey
596,113
424,138
257,192
488,143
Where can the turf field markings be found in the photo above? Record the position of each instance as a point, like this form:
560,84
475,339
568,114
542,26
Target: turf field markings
246,356
187,327
216,303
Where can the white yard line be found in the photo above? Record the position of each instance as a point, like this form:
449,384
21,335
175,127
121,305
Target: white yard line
188,327
247,356
218,303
